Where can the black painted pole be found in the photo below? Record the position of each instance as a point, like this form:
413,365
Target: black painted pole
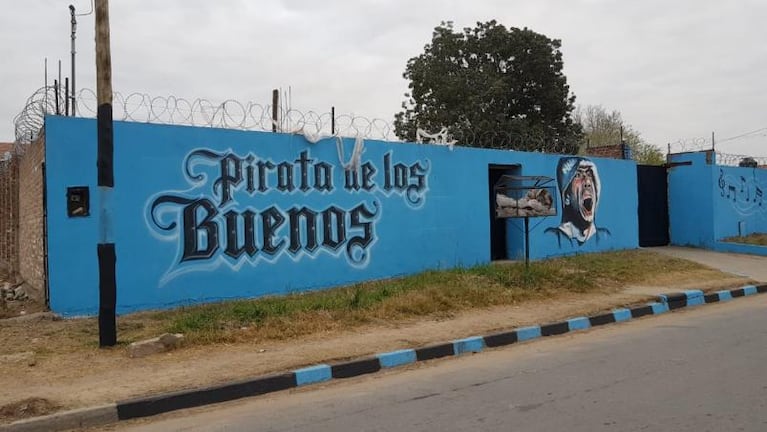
105,165
275,109
527,242
66,96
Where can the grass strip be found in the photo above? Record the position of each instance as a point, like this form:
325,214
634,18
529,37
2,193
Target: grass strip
428,294
759,239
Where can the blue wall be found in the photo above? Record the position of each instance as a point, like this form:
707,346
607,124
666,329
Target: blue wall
691,218
421,207
738,196
708,202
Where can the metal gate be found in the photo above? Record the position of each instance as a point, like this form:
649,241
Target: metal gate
652,185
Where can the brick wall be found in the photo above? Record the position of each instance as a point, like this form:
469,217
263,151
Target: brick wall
31,249
608,151
9,208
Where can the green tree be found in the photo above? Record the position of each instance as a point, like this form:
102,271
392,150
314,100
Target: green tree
490,86
601,128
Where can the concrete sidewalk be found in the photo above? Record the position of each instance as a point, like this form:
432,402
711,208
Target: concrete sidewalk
751,266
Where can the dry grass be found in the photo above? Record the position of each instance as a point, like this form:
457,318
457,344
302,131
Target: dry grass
432,294
759,239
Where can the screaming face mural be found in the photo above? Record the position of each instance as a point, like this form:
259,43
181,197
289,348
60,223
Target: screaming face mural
579,186
247,209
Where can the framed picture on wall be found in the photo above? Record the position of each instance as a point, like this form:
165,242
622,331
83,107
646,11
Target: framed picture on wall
525,196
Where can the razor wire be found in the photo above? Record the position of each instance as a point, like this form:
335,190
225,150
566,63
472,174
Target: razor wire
687,145
28,124
172,110
722,158
233,114
731,159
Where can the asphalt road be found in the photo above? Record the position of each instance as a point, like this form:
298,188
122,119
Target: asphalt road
694,370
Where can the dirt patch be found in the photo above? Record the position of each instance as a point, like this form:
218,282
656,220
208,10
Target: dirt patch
30,407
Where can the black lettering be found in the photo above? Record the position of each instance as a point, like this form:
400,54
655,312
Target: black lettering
272,220
193,250
304,161
204,154
263,167
334,222
387,172
415,190
401,178
310,220
285,177
368,171
323,177
231,176
250,175
351,180
361,218
233,249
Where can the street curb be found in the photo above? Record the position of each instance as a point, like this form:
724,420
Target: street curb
74,419
166,402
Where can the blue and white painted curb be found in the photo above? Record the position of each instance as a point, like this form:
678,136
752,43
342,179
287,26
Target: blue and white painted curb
325,372
165,402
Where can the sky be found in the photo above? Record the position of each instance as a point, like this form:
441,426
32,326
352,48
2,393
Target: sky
677,70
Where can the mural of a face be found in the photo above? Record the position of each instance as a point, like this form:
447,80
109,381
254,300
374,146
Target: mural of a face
582,194
578,181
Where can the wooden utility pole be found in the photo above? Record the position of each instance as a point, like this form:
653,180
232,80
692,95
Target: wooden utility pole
105,165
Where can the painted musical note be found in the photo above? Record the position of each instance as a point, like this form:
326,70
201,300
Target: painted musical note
742,183
758,196
731,190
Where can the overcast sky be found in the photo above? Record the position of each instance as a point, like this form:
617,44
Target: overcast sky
676,69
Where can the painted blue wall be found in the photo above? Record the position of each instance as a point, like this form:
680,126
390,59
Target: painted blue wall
738,196
708,203
690,204
436,215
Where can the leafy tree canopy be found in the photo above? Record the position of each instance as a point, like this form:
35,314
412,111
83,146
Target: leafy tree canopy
603,128
491,86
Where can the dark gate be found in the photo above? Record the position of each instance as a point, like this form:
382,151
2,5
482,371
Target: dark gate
498,235
652,184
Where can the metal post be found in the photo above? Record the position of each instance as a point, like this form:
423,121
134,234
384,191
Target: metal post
66,96
527,242
105,162
713,142
56,91
46,83
333,120
74,30
275,109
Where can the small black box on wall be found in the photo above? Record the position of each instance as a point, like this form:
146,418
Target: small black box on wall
78,201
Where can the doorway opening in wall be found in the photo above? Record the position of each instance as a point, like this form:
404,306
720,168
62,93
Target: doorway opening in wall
499,232
652,188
